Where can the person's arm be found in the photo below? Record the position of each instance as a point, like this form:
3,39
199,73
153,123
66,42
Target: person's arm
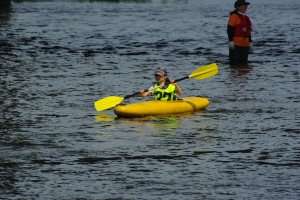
231,25
230,32
144,94
177,88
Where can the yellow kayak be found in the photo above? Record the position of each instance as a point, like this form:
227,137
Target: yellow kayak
157,107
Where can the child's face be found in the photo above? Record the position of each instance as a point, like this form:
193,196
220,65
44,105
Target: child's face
159,79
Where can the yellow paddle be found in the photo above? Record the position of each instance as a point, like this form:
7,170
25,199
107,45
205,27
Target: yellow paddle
198,74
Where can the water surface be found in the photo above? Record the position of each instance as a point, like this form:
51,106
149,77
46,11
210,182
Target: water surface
58,57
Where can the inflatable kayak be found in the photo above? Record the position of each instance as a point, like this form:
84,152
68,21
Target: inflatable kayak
157,107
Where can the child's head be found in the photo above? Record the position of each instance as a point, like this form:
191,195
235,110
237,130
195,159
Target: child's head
160,75
160,71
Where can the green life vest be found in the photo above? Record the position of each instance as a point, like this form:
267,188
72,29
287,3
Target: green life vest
167,94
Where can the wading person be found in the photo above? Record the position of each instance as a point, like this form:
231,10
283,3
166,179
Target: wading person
239,33
168,89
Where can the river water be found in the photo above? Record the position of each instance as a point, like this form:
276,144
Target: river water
58,57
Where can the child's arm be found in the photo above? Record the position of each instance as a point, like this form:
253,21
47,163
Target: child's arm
177,88
144,94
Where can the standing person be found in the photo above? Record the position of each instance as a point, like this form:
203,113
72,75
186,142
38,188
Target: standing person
168,89
239,33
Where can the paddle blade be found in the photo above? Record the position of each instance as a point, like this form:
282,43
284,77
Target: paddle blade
107,102
204,72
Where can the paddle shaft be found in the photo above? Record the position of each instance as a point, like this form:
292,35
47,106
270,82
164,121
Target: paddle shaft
132,95
180,79
136,93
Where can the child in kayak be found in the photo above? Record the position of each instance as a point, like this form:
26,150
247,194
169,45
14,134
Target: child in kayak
163,89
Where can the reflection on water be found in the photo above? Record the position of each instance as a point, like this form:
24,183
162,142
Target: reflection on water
5,46
157,125
240,70
138,126
4,3
103,117
166,124
5,11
